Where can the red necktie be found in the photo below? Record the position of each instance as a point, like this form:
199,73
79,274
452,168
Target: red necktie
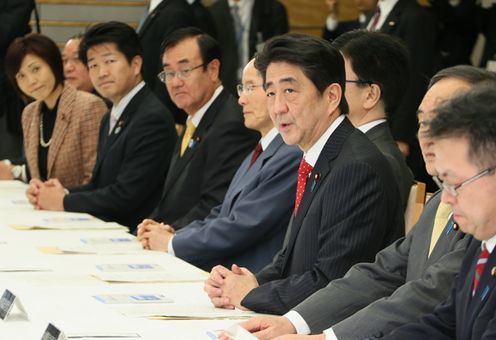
479,268
256,153
303,171
375,19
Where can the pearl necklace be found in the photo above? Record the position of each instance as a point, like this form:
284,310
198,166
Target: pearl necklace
42,140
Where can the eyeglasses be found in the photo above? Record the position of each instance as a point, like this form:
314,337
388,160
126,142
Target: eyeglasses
246,89
181,74
453,189
359,81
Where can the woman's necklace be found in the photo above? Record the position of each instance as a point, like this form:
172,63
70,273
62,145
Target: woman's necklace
42,140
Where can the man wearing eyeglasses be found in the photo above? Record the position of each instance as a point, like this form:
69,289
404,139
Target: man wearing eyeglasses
215,140
408,278
249,226
377,72
464,133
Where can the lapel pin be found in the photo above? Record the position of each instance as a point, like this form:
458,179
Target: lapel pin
317,176
197,139
392,23
119,126
493,271
455,226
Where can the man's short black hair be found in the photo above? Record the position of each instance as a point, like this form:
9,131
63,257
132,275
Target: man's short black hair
123,36
208,46
380,59
319,60
471,115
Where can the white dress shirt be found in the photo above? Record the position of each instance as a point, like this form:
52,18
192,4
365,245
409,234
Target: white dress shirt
117,110
367,126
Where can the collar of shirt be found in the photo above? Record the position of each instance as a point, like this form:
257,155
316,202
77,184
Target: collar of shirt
367,126
118,109
197,117
386,7
268,138
312,155
489,244
153,4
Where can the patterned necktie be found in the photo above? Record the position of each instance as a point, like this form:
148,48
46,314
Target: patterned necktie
479,268
375,19
238,25
256,153
442,215
303,171
190,130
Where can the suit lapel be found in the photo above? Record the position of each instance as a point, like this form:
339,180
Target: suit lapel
322,168
392,20
151,16
64,115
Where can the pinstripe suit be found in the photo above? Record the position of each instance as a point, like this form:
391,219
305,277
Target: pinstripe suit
72,153
350,210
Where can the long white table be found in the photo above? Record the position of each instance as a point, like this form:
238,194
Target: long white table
62,289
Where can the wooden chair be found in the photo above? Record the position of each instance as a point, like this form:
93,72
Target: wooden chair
415,205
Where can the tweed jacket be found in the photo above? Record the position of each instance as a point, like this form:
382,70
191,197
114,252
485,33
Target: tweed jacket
72,152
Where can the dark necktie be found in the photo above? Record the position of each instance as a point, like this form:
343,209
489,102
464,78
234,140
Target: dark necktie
303,171
256,153
479,268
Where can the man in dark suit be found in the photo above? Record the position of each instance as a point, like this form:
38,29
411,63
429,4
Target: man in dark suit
377,71
165,18
408,278
416,26
215,141
464,133
136,138
14,22
346,207
259,20
258,204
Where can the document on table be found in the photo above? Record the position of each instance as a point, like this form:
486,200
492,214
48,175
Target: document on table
98,245
63,221
144,272
111,299
178,311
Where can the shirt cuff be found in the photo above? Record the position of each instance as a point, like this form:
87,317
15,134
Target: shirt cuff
298,322
170,249
330,335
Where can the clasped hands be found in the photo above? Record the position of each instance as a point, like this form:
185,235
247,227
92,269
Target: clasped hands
154,235
48,195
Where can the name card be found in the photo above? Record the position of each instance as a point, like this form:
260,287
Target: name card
53,333
7,303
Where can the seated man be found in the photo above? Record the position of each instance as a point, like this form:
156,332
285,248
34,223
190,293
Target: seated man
136,138
377,71
249,226
346,209
215,141
75,71
409,277
464,134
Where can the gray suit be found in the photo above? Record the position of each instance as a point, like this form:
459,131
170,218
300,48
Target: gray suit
381,136
400,286
249,226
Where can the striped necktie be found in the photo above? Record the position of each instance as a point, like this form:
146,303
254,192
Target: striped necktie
479,268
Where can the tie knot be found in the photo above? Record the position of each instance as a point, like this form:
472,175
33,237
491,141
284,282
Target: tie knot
484,253
305,169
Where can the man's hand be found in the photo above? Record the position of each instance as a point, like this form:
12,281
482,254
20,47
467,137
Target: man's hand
32,192
238,284
51,196
213,287
154,235
6,171
268,327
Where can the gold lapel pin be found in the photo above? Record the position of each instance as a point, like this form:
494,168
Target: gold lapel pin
392,23
455,226
317,176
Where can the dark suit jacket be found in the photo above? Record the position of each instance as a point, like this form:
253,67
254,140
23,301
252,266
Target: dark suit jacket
131,163
416,26
349,211
249,226
269,18
167,17
380,135
402,284
462,316
342,27
204,18
198,180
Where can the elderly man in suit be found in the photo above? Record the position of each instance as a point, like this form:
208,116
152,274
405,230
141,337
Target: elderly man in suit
407,278
249,226
243,26
136,137
377,71
464,133
215,140
346,208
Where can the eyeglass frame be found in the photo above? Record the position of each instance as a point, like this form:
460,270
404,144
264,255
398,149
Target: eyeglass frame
181,74
246,90
452,189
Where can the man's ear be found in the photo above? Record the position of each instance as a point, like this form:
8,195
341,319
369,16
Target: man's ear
213,69
373,97
333,93
137,64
